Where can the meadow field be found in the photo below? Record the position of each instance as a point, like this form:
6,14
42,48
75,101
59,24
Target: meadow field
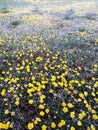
48,65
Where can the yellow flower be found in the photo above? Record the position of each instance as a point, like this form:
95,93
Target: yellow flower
47,110
38,119
79,123
65,109
28,68
60,125
63,104
79,100
54,84
41,101
63,122
51,91
30,85
17,102
88,128
79,85
42,97
53,78
96,100
95,116
72,114
85,94
72,128
1,78
36,122
30,126
12,113
6,126
83,82
97,42
6,112
30,91
79,68
3,92
53,125
82,115
10,68
39,59
93,127
81,95
41,106
44,127
31,101
3,72
1,125
11,125
42,113
70,105
33,78
60,83
93,94
93,111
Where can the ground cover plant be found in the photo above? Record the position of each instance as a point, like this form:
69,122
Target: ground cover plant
48,74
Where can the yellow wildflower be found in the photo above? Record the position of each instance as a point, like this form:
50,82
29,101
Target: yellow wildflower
42,113
72,114
93,127
3,92
30,126
95,116
17,102
31,101
53,78
44,127
70,105
79,123
47,110
53,125
6,112
60,125
41,106
72,128
63,104
65,109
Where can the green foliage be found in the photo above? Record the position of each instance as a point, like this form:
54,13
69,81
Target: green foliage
4,10
15,23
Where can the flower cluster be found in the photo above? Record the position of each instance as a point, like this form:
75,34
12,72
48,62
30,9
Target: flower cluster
40,90
47,82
